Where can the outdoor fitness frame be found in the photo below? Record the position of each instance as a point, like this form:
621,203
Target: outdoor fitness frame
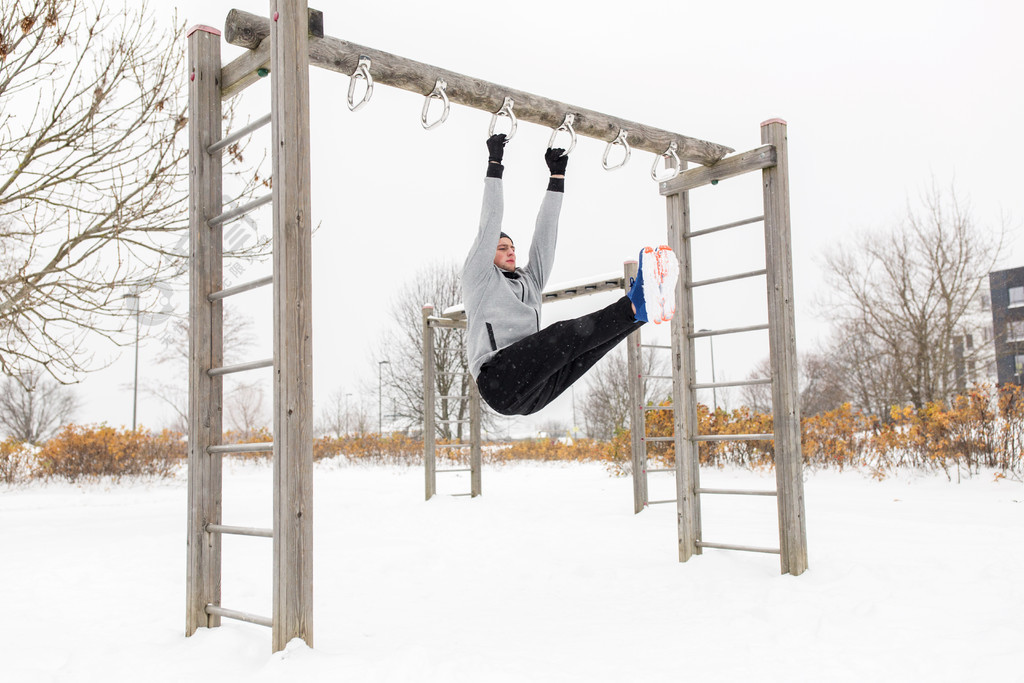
285,44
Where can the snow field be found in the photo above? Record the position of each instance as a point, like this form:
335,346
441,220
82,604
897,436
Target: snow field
546,577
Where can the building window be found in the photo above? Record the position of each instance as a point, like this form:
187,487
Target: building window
1016,296
1015,331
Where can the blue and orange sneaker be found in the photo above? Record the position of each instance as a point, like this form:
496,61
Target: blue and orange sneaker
643,292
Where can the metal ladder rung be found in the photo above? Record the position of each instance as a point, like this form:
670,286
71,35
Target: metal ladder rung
738,492
454,422
659,502
241,367
726,278
742,383
452,445
661,469
735,437
655,346
659,407
726,226
239,530
240,616
460,469
238,135
729,330
657,438
745,548
241,210
460,495
656,376
238,289
260,447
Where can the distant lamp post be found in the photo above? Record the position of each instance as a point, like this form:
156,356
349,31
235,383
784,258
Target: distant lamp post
380,395
132,301
714,391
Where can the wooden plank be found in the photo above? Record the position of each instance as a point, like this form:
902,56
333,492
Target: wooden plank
293,329
684,418
745,162
782,345
429,449
637,418
243,71
205,330
342,56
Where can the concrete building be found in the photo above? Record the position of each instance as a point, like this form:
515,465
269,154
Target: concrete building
1006,289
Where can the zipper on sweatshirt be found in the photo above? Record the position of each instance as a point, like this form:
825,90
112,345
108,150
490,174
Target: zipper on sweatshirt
490,336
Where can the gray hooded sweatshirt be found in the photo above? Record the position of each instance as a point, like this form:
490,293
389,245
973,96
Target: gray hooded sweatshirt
502,310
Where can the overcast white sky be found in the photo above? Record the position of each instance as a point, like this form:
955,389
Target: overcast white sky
881,100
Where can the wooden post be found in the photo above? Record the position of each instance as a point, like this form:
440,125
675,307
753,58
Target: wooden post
684,398
205,330
476,447
637,422
293,330
429,447
782,343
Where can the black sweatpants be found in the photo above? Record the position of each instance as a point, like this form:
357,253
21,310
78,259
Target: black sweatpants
524,377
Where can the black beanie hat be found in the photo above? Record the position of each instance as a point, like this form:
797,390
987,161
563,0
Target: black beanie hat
506,236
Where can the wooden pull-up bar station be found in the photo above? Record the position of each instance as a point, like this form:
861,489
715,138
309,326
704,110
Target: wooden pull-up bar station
283,46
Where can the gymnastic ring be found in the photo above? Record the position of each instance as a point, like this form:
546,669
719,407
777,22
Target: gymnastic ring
620,140
566,126
506,110
669,153
362,71
437,93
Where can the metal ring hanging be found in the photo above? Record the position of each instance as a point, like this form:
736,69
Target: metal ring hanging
620,140
437,93
506,110
669,153
362,71
566,126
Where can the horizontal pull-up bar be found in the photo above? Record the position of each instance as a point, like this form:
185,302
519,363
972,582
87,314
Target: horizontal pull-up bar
560,292
246,30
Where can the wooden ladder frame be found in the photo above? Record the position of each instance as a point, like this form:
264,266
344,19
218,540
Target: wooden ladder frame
772,160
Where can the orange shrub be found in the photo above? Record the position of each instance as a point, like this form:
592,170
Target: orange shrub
15,461
99,451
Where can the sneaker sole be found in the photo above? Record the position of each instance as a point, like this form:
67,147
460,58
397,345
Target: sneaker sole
668,269
652,285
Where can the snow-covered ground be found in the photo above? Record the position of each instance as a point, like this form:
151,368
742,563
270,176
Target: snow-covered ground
546,577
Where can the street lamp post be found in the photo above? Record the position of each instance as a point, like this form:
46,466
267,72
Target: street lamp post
714,391
133,303
380,396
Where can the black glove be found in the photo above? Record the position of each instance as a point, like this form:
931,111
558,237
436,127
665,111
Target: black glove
496,147
556,160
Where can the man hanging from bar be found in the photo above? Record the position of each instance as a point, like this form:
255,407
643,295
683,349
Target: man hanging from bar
519,367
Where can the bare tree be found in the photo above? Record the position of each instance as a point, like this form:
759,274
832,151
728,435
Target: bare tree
237,342
605,404
93,179
344,414
905,295
244,409
402,347
33,407
822,377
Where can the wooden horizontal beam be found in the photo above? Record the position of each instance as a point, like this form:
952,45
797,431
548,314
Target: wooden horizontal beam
745,162
243,28
562,292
